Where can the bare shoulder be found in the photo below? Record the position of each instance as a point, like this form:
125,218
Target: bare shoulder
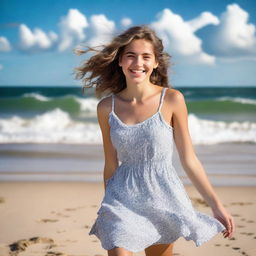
103,110
104,106
174,97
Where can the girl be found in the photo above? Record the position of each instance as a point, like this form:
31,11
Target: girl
145,206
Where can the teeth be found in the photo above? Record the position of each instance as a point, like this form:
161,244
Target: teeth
141,71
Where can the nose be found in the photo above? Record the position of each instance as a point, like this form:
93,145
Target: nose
138,61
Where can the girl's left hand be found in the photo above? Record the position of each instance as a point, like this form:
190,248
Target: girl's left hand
221,214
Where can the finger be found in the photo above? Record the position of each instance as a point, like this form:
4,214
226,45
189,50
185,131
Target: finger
229,228
225,234
229,225
228,234
233,224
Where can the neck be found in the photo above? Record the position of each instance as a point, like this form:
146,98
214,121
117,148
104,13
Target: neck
138,91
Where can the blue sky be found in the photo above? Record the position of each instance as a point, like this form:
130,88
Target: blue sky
211,42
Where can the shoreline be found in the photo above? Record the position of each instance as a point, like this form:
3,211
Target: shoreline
229,164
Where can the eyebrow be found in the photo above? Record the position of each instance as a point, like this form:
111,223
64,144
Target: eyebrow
145,53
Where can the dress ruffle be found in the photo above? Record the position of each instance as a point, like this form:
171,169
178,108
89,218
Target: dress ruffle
134,232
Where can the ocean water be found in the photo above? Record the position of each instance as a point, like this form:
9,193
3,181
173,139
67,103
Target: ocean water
66,115
52,134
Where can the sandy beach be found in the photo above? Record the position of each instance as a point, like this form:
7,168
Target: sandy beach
54,218
50,195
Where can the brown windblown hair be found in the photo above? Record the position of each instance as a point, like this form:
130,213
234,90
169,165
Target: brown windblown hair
103,71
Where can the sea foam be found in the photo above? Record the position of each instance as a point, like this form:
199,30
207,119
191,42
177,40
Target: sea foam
57,126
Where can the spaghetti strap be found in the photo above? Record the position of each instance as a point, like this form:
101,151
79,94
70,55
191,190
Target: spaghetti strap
161,99
113,102
160,103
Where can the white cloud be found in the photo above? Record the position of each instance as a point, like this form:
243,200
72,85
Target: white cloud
179,38
231,37
102,30
205,18
234,37
37,40
72,29
4,44
72,32
125,22
1,66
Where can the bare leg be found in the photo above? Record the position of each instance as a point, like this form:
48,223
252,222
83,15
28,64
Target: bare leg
119,252
159,250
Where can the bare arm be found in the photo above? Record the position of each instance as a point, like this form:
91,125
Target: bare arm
110,154
191,163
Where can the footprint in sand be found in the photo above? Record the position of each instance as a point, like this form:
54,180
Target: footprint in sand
23,244
62,215
48,220
217,245
198,201
70,209
241,203
51,253
71,241
48,247
1,200
59,214
246,233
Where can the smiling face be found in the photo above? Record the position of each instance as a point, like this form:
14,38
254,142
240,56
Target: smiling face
138,61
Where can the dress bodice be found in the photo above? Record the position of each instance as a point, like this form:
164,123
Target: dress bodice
148,141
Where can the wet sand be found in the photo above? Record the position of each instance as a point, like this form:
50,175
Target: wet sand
226,164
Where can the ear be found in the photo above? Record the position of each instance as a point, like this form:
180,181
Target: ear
156,65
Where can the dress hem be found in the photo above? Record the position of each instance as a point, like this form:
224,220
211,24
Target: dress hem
187,238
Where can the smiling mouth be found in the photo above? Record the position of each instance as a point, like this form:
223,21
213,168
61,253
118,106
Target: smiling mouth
134,71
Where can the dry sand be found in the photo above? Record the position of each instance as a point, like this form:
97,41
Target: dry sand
54,218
